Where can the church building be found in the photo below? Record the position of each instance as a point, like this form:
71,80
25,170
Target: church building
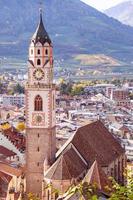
92,154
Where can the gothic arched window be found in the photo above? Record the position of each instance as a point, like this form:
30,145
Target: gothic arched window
38,103
38,62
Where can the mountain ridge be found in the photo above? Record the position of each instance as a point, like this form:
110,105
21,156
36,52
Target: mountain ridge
122,12
74,27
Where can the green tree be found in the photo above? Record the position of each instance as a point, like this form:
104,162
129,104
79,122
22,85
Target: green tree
116,82
86,191
131,96
65,88
122,192
20,126
18,89
3,88
32,197
77,89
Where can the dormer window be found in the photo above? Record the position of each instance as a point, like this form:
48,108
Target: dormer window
38,52
38,62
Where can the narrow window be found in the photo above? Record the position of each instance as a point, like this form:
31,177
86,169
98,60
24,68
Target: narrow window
38,62
38,135
38,149
119,171
38,52
31,51
53,102
56,195
46,51
48,195
38,104
123,167
112,172
38,164
115,173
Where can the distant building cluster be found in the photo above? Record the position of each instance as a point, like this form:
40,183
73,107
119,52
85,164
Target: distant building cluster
13,100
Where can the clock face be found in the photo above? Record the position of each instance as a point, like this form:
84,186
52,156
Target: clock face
38,74
38,119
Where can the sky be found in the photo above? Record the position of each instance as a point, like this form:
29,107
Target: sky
103,4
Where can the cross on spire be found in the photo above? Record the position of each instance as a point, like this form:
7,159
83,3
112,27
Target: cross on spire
40,6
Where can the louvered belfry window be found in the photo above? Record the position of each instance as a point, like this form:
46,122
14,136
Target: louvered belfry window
38,103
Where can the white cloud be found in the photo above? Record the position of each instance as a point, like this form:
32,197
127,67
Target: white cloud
102,4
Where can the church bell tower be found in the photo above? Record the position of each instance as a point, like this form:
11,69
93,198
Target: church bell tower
40,109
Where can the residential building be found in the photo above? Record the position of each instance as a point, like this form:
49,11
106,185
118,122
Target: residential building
17,99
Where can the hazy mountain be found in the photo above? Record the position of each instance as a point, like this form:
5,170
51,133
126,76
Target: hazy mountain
122,12
74,27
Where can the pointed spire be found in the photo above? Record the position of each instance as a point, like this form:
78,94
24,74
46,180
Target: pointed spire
41,34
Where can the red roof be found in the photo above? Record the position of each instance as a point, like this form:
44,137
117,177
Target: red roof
68,166
5,177
16,138
9,170
4,181
4,152
125,129
95,142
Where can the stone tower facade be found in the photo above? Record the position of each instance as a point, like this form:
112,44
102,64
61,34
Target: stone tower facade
40,109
